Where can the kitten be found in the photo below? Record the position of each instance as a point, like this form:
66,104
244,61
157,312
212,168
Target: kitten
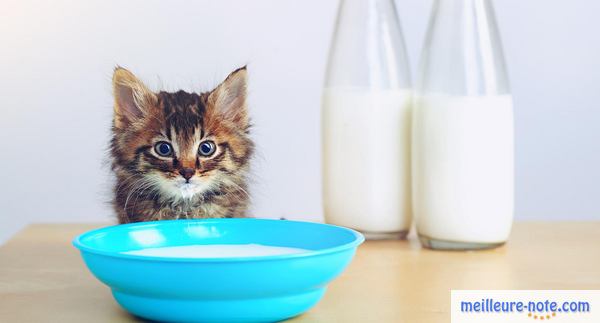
180,155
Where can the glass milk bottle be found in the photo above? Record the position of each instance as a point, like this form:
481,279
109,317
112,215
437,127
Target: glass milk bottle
366,122
463,147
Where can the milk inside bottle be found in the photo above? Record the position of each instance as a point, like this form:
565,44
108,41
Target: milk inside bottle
366,159
463,167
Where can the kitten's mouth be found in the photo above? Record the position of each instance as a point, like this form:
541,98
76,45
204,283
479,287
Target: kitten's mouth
180,189
188,190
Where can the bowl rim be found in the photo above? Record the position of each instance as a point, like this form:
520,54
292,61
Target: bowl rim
77,243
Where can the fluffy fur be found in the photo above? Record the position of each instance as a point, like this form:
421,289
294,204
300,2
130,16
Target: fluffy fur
185,183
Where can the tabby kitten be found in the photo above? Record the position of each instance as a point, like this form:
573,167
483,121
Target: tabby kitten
180,155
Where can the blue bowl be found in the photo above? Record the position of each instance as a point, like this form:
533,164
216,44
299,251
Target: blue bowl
236,289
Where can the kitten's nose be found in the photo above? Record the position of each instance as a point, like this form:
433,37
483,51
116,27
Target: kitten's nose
187,172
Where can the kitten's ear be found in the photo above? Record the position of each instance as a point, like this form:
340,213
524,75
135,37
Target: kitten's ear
229,98
132,98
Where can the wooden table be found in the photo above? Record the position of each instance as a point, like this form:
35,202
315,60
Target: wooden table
43,279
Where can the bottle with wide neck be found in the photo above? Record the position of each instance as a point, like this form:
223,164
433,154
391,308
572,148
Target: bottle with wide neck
366,122
463,150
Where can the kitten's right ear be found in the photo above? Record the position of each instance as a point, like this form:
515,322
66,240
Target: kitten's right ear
132,98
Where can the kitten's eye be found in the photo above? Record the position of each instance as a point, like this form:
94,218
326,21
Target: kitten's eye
163,149
207,148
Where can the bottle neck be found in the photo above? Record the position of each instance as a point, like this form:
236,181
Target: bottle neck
361,6
460,4
367,49
470,14
463,52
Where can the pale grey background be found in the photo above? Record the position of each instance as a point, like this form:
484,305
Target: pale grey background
57,57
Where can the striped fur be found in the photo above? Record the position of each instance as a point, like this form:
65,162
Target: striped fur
150,186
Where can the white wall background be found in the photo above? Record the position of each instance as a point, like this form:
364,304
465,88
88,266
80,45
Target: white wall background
56,60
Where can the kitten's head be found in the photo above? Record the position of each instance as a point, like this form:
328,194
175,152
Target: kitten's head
180,145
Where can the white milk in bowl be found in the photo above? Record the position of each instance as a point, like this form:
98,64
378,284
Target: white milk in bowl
216,251
463,175
366,160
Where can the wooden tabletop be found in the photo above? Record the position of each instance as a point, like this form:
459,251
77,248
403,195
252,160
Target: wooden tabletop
43,279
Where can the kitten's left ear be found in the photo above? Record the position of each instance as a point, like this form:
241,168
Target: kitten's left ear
229,98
